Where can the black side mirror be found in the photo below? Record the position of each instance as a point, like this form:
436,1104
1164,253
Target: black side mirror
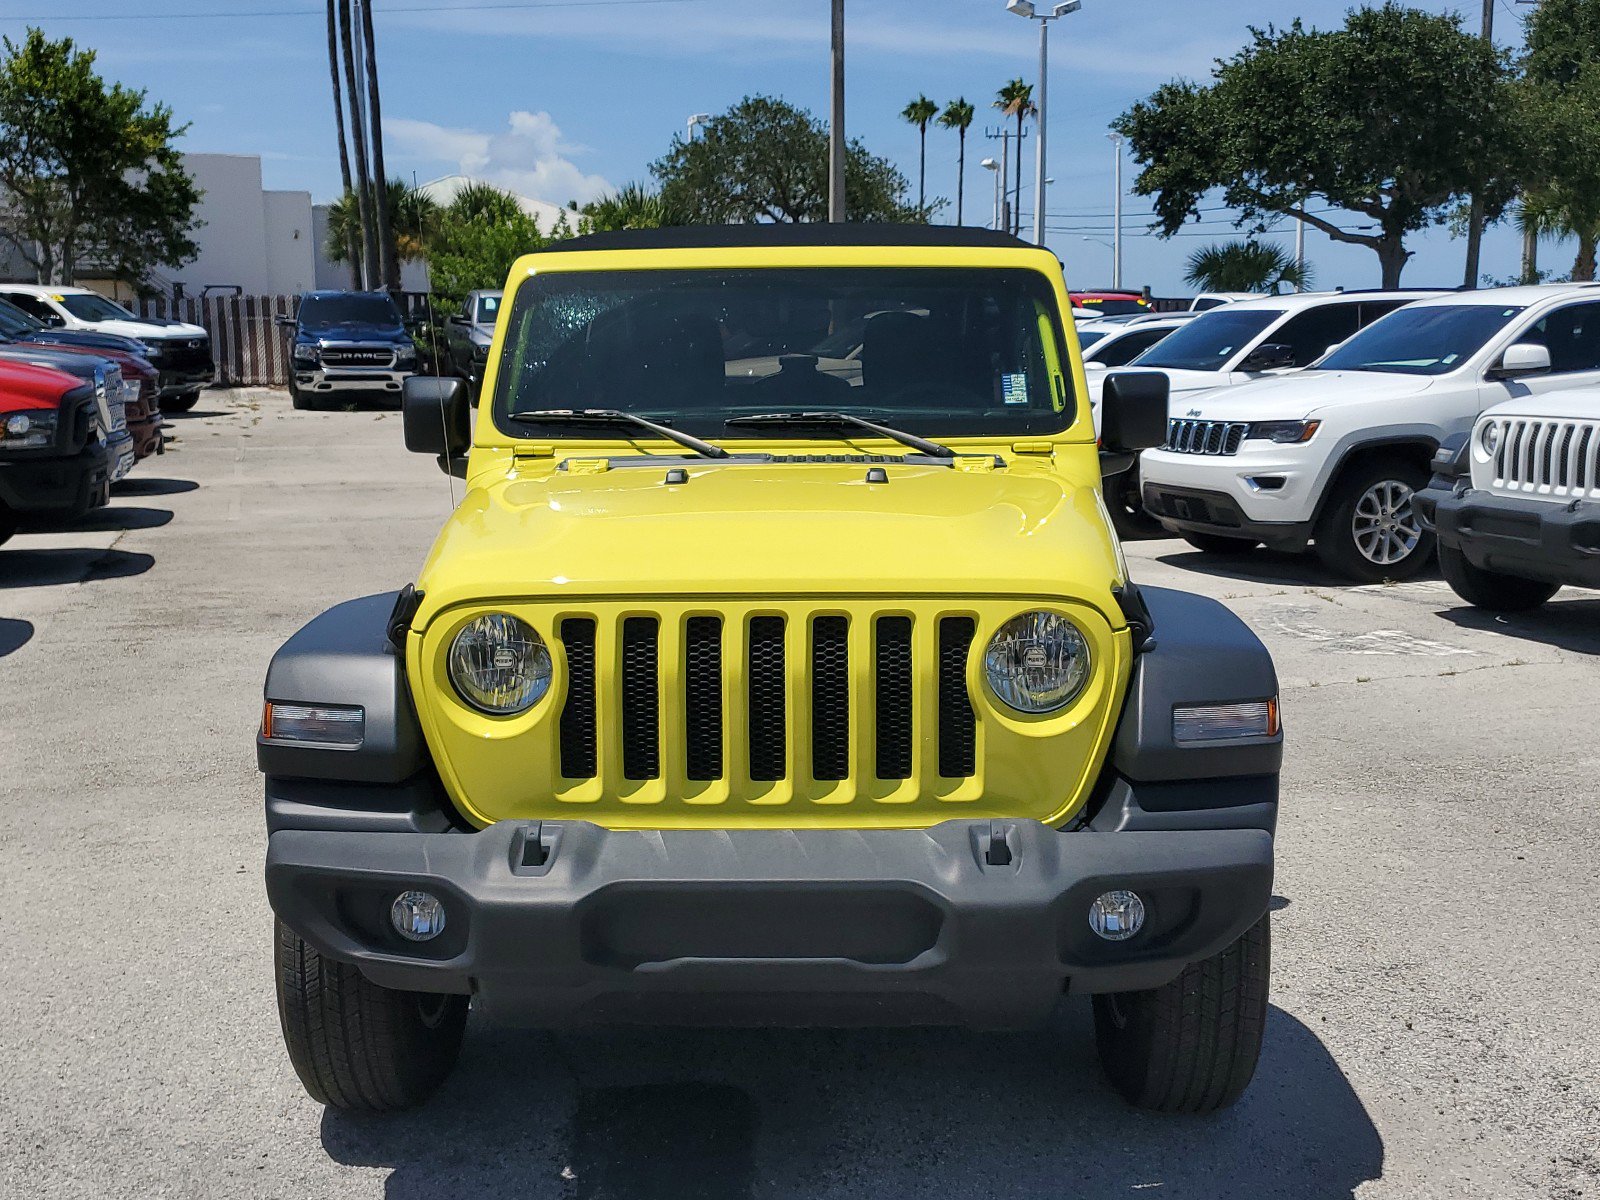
1133,411
1269,356
436,415
459,319
284,321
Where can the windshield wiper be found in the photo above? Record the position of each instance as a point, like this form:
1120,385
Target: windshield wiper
922,445
615,416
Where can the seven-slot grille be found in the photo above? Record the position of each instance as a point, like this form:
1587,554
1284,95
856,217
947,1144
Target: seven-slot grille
664,703
1546,455
1205,437
357,356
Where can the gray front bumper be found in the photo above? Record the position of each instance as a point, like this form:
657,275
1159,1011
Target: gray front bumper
349,379
569,923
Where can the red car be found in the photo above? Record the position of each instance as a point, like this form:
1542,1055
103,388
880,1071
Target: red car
1110,303
142,384
54,462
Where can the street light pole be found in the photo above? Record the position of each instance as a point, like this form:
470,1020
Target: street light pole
836,209
1116,211
1025,8
989,164
695,120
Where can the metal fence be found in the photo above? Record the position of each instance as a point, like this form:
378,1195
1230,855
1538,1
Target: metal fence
250,349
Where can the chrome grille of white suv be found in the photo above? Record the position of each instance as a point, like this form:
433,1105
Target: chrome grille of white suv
1205,437
1546,456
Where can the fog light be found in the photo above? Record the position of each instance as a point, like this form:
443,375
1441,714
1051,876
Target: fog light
417,916
1116,916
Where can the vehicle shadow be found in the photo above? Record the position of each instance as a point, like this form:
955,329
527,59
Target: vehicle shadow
50,568
117,517
1564,624
741,1115
194,414
14,634
1271,567
153,487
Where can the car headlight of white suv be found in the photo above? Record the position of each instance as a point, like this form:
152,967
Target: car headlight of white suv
1286,433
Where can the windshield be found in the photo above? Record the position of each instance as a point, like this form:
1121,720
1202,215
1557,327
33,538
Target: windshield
87,306
927,350
1208,342
15,323
1421,341
326,312
488,309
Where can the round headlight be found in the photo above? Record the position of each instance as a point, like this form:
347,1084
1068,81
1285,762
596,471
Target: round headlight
499,664
1489,436
1037,662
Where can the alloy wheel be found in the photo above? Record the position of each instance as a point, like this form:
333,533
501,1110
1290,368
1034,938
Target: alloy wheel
1384,525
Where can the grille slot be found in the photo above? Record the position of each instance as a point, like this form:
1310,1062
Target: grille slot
578,715
641,716
768,709
830,698
1205,437
702,697
957,724
893,697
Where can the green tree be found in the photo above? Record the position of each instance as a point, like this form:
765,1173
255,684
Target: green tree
766,160
1395,118
1015,99
919,112
633,206
476,238
89,174
958,115
1244,266
1560,105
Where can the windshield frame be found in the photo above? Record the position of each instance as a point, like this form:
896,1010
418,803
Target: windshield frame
1226,313
1508,315
1056,355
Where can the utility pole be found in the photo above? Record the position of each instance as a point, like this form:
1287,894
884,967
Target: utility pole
1006,213
1300,255
1475,219
836,208
1116,211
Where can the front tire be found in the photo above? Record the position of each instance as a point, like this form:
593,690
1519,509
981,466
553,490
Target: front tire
180,403
301,401
1190,1046
1128,515
1369,531
357,1046
1491,589
8,524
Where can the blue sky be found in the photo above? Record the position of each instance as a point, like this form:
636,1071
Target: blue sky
563,99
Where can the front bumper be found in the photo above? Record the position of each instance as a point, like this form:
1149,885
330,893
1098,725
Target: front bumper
1195,510
569,923
1533,539
325,380
120,451
190,377
56,488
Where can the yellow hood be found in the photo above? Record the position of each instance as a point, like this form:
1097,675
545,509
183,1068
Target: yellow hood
745,528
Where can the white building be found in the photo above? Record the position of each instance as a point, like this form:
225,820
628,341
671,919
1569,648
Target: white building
260,242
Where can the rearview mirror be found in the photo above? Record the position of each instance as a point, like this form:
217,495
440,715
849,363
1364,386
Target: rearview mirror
1269,356
1525,358
436,415
1133,411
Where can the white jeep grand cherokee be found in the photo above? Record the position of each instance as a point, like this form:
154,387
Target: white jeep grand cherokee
1334,454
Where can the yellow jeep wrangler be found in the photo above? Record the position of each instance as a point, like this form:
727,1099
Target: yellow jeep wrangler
779,666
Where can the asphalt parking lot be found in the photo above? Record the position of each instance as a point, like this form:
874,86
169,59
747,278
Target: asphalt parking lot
1435,978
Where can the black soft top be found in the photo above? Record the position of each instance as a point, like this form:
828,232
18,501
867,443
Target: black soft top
689,237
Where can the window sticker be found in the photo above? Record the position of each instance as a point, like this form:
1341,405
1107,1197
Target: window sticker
1014,388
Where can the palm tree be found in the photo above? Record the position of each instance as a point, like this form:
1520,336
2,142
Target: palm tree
349,250
1015,99
634,206
1547,213
369,231
483,202
919,112
1245,266
958,115
388,257
413,215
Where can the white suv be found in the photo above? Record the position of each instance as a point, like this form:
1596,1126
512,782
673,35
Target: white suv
1334,454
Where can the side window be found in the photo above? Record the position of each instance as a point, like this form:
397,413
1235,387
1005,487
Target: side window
1123,351
1371,310
32,305
1572,335
1311,333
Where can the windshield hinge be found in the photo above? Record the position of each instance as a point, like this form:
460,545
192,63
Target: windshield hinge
1033,448
533,450
405,608
1141,625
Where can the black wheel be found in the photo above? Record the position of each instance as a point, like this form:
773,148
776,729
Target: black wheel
1369,530
1219,543
300,400
1490,589
1192,1045
182,402
8,524
1126,503
358,1046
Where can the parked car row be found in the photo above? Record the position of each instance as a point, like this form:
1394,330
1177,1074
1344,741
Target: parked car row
77,411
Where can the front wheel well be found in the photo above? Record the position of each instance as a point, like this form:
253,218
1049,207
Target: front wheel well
1415,450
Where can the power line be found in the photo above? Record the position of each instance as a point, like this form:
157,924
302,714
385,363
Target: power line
320,12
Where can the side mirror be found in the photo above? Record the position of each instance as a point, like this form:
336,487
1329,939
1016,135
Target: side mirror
1269,356
436,415
284,321
1133,411
1525,358
1091,365
459,319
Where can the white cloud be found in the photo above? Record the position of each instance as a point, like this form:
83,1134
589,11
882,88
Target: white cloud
528,157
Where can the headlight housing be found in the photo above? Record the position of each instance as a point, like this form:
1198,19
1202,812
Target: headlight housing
1286,433
1037,662
152,349
405,356
32,430
1489,437
305,352
499,664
